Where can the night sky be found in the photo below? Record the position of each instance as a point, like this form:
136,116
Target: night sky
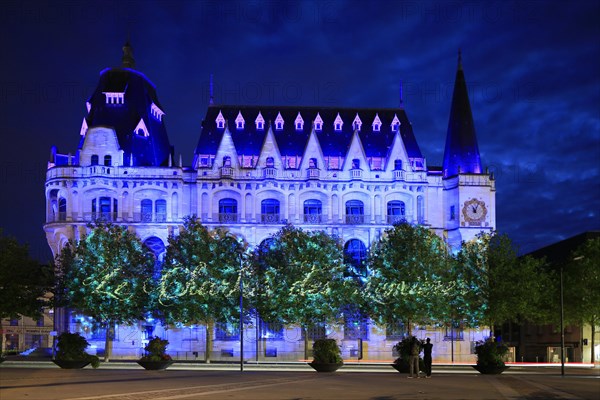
532,68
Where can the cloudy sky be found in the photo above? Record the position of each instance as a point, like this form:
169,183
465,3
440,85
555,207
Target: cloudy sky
532,68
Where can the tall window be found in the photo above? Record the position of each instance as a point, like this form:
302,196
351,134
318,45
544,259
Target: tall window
62,209
269,209
107,161
355,325
355,212
161,210
227,331
146,210
396,212
270,162
94,159
271,330
355,254
313,210
398,165
228,210
101,209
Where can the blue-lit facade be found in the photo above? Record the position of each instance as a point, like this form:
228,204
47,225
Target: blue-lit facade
351,172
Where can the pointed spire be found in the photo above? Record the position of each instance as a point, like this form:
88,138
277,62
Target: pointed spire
462,152
180,161
128,61
460,67
211,100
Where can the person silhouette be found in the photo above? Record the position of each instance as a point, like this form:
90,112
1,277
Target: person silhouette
427,348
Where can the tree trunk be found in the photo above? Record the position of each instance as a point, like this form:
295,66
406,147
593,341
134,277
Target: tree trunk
108,342
1,338
593,338
209,341
305,331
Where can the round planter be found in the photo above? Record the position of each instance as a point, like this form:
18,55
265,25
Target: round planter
401,367
320,367
155,365
490,369
71,364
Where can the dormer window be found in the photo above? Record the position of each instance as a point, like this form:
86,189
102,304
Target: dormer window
220,120
357,123
279,122
239,121
260,122
270,162
395,124
141,129
338,123
318,123
376,123
299,122
114,97
156,112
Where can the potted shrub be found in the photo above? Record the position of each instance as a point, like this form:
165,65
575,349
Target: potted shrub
327,356
70,352
156,356
402,348
490,356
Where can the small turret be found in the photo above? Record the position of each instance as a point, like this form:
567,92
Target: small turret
128,61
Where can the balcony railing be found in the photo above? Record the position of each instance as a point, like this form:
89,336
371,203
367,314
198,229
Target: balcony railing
399,175
225,218
355,219
269,173
226,172
396,219
356,173
269,218
313,218
313,173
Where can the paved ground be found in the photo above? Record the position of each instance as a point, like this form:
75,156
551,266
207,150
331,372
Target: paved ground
127,381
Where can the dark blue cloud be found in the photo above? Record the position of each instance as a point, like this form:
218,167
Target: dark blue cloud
531,67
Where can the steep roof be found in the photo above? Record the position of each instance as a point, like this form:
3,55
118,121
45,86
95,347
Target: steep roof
291,141
461,153
139,103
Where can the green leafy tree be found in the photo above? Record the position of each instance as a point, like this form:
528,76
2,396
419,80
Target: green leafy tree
299,278
408,276
503,287
24,283
200,279
108,276
582,287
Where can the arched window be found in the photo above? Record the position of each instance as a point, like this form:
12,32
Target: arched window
157,248
270,162
94,160
228,210
107,161
146,210
355,254
269,210
420,210
355,212
62,209
227,161
161,210
101,209
313,210
396,212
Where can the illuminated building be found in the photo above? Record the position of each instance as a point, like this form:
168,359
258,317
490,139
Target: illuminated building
352,172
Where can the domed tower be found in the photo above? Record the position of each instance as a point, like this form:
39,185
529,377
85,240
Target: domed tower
125,101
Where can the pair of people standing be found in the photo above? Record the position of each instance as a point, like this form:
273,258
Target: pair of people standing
413,361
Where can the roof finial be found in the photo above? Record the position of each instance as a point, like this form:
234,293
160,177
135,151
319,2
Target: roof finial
401,97
459,59
211,100
128,61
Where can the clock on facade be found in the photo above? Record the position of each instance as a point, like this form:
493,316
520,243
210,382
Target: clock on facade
474,211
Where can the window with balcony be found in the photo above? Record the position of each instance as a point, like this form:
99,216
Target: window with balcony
107,161
94,160
397,165
355,255
228,210
160,207
146,209
396,212
313,211
269,210
104,209
355,212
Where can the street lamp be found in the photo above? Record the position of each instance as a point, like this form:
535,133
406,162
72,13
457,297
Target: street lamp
241,313
562,328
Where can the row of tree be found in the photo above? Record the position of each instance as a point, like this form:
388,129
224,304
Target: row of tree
302,278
